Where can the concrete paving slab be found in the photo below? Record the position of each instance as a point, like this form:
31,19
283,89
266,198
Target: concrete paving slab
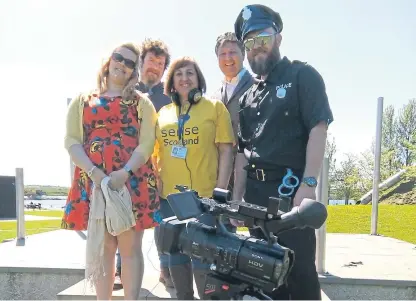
349,257
373,258
57,250
151,289
63,251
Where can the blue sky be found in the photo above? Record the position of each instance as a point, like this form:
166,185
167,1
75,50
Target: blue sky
51,50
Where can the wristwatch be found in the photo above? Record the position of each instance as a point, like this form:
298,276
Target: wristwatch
128,169
310,181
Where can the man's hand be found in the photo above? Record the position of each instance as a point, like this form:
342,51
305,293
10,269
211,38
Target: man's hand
304,192
236,222
118,179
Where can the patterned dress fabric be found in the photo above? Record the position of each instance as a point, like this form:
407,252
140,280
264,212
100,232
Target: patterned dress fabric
111,128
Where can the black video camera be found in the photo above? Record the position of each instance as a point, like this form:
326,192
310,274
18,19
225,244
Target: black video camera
240,265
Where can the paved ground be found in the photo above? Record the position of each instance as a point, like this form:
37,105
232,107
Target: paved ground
347,256
370,257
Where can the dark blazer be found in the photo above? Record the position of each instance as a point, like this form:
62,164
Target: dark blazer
233,104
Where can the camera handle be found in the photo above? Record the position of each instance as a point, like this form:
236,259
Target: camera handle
276,207
269,236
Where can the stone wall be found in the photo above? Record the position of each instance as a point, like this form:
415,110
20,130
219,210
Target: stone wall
36,285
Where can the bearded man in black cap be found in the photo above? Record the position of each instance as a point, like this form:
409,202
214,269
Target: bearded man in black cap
283,129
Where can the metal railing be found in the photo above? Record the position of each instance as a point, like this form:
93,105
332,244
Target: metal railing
20,206
376,172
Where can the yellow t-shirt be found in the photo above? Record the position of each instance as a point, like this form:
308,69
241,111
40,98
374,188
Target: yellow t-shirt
209,123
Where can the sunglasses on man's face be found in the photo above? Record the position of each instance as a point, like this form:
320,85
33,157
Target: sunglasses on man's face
262,39
119,58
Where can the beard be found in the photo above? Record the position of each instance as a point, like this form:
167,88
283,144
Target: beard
151,77
263,66
150,82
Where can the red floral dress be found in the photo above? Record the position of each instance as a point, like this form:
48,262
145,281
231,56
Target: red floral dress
111,128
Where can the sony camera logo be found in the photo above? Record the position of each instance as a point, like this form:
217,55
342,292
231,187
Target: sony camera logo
210,286
255,263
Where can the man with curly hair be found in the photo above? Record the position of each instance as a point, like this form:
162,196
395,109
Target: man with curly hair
155,58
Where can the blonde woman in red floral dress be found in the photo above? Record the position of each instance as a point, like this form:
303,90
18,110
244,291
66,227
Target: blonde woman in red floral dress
111,133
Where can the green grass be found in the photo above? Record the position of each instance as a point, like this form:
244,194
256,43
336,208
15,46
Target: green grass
396,221
48,213
8,229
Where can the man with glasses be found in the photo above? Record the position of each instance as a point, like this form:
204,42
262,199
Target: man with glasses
283,127
154,60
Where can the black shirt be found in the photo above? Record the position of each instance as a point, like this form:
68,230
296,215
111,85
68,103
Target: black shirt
277,115
156,95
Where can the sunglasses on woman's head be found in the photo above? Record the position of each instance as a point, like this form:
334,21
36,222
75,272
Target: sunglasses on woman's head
262,39
119,58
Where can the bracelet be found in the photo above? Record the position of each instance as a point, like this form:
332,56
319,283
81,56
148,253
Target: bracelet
89,173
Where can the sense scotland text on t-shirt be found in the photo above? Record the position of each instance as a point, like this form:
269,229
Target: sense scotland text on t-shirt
171,136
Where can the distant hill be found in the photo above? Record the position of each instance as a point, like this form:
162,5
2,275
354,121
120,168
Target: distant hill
46,189
404,192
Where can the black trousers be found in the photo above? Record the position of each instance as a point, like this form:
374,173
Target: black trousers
303,282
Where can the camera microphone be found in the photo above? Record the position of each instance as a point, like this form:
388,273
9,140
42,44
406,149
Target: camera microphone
309,213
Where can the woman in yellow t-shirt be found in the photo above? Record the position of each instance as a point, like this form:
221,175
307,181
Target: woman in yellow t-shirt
194,140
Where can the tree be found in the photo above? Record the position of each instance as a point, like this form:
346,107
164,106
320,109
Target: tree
347,179
365,166
389,147
406,128
411,145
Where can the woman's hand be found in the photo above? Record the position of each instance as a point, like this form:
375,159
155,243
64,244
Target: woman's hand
118,178
97,176
133,93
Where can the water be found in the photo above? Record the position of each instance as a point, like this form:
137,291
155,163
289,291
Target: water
48,203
